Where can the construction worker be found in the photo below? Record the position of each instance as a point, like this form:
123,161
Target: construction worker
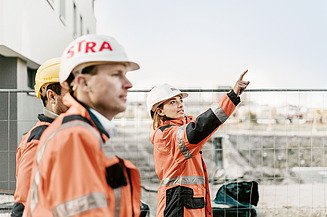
178,140
72,176
47,88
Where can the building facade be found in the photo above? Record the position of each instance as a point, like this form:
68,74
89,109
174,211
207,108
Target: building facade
31,32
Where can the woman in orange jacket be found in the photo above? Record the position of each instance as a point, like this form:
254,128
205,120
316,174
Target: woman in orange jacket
178,140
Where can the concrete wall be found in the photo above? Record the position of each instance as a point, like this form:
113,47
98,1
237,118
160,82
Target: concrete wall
28,106
37,30
8,122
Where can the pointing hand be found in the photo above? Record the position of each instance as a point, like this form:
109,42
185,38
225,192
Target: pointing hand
241,85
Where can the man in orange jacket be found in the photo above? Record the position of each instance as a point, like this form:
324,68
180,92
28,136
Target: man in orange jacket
178,140
47,87
72,176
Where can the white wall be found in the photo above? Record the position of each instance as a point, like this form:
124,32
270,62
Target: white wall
34,29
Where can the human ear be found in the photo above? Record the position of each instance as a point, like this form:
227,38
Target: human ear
50,96
81,81
160,112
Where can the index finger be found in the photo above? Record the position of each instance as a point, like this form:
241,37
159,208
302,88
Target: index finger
242,75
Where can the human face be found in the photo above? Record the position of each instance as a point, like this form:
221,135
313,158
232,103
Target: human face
59,107
54,101
107,89
173,108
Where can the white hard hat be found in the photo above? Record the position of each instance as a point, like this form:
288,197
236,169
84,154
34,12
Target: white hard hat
159,94
89,49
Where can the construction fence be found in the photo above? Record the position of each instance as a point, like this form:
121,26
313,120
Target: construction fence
276,137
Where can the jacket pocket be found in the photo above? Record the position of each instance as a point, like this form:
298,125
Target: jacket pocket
179,197
115,175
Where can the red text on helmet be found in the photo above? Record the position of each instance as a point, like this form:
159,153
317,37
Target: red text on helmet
87,47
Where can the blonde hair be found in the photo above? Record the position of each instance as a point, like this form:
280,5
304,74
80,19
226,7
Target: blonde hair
158,119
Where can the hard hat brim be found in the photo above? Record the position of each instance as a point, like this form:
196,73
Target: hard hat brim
131,66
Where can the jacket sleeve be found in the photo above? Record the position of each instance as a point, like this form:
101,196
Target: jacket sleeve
24,170
76,175
196,133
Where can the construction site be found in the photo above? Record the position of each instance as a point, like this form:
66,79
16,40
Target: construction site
266,154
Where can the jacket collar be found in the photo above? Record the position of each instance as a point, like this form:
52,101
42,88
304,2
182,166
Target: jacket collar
76,106
49,113
177,122
105,122
45,118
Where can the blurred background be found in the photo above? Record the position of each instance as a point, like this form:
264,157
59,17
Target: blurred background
278,134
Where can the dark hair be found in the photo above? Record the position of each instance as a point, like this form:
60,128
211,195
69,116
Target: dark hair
55,87
92,70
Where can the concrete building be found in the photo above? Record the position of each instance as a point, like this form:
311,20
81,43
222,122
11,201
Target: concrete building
31,32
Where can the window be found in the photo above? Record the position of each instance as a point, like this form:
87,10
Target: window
81,25
74,20
51,3
63,9
31,77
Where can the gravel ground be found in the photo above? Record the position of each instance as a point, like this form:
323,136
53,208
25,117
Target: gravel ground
294,200
254,157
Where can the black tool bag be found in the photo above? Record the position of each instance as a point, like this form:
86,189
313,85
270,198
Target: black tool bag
240,198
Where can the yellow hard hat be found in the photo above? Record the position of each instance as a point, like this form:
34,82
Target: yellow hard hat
47,73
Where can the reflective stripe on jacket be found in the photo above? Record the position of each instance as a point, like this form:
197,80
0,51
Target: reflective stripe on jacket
73,177
25,154
184,186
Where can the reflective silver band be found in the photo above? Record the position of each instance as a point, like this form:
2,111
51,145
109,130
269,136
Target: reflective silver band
40,153
79,205
69,124
219,112
183,180
33,194
117,192
180,142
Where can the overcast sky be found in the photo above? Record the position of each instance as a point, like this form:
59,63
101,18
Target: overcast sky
203,44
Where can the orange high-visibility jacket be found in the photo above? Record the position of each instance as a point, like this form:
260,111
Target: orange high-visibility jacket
73,177
184,186
25,154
